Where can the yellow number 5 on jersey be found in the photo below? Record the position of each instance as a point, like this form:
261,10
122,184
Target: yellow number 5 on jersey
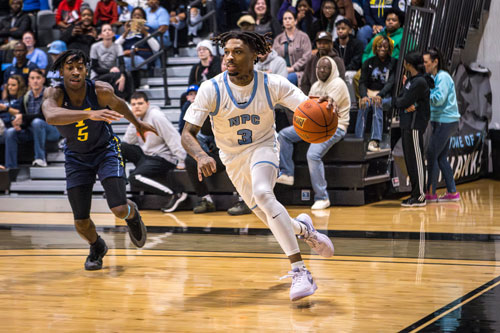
82,134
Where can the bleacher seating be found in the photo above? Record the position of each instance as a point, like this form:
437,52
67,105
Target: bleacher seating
354,175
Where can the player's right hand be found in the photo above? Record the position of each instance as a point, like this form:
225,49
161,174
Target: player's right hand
206,167
105,115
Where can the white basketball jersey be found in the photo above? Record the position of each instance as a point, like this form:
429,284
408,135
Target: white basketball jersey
240,126
251,122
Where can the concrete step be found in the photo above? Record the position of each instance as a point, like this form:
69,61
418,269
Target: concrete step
174,103
177,61
48,186
158,93
188,51
46,203
178,71
56,171
171,81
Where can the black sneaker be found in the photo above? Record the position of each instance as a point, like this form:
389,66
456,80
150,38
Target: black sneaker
413,202
204,206
240,208
136,229
97,251
174,202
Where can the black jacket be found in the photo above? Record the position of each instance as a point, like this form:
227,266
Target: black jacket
416,92
377,75
196,76
23,24
352,54
82,42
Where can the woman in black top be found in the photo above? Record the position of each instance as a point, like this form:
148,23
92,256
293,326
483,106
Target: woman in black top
328,15
414,113
375,89
264,22
82,34
305,18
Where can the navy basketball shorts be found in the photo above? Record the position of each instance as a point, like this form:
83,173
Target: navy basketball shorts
81,169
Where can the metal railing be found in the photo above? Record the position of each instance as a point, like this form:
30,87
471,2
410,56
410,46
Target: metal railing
162,54
441,23
416,37
209,15
476,15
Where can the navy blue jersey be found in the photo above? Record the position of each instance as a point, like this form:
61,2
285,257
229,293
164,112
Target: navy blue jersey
85,136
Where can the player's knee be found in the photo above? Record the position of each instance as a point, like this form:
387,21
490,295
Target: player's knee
121,211
263,195
82,223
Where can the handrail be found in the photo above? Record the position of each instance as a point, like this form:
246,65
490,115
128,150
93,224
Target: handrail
160,54
209,15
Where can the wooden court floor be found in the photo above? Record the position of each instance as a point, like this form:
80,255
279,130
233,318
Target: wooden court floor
429,269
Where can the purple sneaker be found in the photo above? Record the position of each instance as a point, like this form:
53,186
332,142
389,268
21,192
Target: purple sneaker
318,242
447,197
431,197
303,284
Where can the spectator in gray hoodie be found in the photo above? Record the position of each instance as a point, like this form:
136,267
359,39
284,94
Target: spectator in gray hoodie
272,63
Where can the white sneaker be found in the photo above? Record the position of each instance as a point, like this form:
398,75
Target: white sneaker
318,242
39,163
303,284
285,180
321,204
373,146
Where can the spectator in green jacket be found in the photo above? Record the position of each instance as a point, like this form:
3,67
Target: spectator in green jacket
393,29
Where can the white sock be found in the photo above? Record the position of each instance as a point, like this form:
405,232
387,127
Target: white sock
208,197
298,264
299,228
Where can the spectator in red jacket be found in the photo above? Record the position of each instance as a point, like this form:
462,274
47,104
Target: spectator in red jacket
68,12
106,12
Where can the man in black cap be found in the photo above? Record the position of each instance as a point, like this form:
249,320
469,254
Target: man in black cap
324,44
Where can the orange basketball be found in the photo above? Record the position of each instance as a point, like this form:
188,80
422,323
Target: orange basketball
313,122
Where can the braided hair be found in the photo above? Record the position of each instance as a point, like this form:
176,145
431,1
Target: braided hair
70,55
260,44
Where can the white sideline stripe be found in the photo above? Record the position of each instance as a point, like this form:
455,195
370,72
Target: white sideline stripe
153,183
418,155
153,241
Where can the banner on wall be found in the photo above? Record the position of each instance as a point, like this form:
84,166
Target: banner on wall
468,154
468,157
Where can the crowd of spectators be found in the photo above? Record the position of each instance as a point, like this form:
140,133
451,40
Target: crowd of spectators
356,42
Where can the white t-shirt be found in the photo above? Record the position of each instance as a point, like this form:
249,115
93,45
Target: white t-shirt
243,117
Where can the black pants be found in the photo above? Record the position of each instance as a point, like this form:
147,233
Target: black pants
201,188
150,174
413,149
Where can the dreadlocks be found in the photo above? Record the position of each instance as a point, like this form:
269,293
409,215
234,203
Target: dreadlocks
261,44
69,56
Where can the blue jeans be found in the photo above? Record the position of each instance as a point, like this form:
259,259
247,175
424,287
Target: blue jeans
287,137
39,132
364,35
292,77
137,60
377,120
437,153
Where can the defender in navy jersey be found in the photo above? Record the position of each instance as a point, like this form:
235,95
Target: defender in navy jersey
82,110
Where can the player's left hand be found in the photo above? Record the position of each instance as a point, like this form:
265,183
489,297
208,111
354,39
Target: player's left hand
331,103
143,127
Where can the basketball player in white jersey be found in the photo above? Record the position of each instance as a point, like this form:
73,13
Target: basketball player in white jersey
240,103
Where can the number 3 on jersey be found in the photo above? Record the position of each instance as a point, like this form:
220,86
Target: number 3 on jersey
246,136
82,134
